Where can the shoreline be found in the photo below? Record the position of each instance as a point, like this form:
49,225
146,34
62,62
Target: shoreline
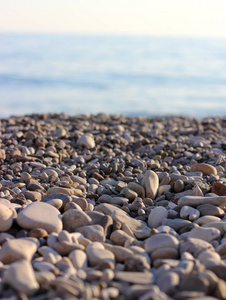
113,207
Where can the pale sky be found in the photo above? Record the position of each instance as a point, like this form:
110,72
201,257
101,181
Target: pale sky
205,18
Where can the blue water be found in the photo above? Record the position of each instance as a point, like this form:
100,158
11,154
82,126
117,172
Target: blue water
112,74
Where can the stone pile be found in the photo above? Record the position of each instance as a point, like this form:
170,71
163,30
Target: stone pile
109,207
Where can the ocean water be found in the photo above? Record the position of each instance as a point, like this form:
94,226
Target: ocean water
134,76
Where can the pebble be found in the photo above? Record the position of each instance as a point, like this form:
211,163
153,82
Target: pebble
195,201
206,169
73,218
20,276
40,215
6,217
159,241
206,234
156,216
78,259
86,140
188,212
94,233
16,249
150,182
96,254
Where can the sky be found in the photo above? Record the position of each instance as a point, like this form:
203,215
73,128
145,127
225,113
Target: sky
204,18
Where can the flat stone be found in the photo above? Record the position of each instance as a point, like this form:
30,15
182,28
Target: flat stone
190,213
195,246
206,169
137,188
150,182
210,209
20,276
64,197
206,234
40,215
164,253
221,225
219,188
159,241
73,219
94,233
207,219
16,249
139,229
86,140
134,277
120,253
97,254
195,201
67,191
78,259
6,217
156,216
176,223
119,237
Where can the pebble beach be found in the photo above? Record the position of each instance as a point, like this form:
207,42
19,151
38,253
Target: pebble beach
111,207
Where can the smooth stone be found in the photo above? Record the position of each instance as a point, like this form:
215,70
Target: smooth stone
164,253
206,169
72,219
195,246
195,201
159,241
207,219
208,255
129,193
176,223
190,213
120,253
16,249
6,218
38,233
139,229
67,191
221,225
43,266
94,233
20,276
134,277
210,209
33,195
72,205
178,186
150,182
64,248
156,216
40,215
49,254
219,188
78,259
82,202
119,237
65,198
97,254
57,203
206,234
137,188
168,282
86,140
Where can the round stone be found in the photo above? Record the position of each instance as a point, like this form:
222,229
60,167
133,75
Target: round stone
40,215
160,241
156,216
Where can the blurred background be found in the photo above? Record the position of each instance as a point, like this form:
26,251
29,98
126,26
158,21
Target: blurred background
137,58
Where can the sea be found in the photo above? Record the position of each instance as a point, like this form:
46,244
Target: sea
129,75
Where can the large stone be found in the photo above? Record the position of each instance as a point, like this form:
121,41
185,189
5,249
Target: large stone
73,218
20,276
16,249
6,217
139,229
40,215
150,182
